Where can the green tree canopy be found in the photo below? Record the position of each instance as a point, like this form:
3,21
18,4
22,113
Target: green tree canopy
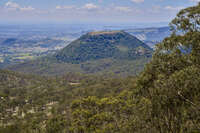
171,80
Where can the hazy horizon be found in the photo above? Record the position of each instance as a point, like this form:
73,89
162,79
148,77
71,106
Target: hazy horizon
90,11
85,24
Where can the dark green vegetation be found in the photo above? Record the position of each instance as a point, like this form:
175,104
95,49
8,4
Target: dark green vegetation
19,43
28,103
100,45
164,98
101,67
115,52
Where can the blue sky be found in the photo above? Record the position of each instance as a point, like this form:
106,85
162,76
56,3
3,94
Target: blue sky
93,11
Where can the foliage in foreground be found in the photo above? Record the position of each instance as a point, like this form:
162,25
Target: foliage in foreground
164,98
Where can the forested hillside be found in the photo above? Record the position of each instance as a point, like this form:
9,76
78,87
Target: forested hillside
100,53
164,98
105,44
31,103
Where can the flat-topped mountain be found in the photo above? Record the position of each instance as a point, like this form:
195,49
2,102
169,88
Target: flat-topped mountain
95,52
104,44
105,32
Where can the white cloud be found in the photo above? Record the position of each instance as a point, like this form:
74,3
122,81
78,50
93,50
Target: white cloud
15,6
12,5
64,7
170,8
195,0
90,6
123,9
137,1
29,8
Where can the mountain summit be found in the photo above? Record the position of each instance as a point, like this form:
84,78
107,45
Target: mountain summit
104,44
95,52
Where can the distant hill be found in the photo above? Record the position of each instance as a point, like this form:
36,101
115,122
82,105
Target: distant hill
150,36
100,45
95,52
9,41
20,45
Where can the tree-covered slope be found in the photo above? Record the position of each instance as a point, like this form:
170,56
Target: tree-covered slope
105,44
30,103
104,52
166,95
164,98
52,67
